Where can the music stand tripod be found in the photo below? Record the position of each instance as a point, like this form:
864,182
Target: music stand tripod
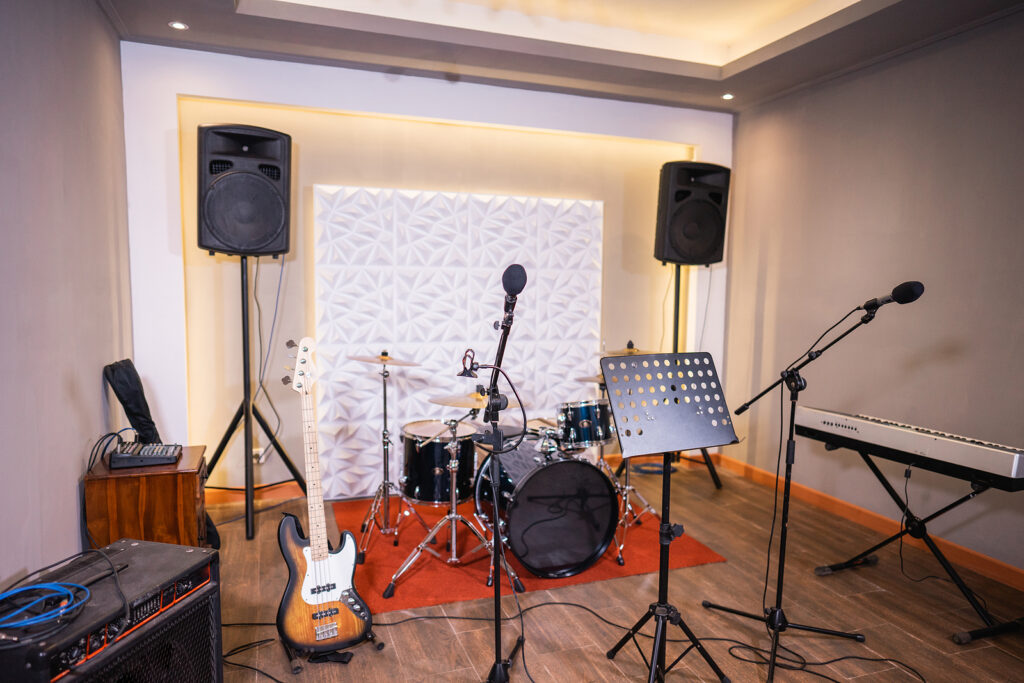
664,403
774,617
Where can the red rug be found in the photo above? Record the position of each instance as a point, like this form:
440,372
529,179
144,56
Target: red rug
431,581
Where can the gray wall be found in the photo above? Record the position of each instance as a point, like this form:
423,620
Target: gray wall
63,265
909,170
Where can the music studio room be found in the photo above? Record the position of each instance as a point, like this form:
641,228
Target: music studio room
468,340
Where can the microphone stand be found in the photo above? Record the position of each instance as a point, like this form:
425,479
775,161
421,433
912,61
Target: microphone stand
774,617
495,404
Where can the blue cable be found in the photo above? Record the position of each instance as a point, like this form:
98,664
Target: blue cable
64,592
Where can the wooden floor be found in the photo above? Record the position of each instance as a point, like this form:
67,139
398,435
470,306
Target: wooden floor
901,619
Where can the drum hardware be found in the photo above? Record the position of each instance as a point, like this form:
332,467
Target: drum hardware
452,519
428,475
675,419
472,401
629,515
379,514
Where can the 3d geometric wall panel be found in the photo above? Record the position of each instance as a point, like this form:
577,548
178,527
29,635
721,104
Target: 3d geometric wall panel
418,274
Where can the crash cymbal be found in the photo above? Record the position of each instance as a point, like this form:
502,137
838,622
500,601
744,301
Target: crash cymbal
471,401
383,359
596,379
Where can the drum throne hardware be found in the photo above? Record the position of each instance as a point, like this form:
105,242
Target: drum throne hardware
452,519
379,514
678,414
629,515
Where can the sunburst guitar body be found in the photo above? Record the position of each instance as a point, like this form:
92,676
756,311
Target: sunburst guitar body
320,610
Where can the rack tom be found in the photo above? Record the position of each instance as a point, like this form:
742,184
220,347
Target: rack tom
585,423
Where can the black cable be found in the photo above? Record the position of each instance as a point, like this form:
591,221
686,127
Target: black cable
248,646
811,349
775,505
265,360
522,410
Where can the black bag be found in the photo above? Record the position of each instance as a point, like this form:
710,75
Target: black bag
124,379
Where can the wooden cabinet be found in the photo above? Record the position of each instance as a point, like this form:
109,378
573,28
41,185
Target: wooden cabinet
162,503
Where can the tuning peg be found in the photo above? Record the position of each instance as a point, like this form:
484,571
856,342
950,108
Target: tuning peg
290,344
286,380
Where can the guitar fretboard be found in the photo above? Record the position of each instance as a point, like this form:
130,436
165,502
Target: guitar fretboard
314,490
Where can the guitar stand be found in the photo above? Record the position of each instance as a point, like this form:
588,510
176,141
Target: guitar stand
451,520
917,527
379,514
663,403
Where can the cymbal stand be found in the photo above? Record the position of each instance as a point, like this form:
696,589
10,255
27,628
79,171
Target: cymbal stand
453,517
379,514
629,515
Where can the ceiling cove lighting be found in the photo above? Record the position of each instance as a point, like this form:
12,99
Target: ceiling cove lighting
178,25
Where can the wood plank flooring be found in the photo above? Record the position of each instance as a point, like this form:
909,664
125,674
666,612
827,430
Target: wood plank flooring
902,619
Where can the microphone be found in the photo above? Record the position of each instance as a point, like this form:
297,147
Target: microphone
513,280
902,294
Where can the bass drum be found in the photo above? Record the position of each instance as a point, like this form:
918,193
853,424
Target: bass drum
558,515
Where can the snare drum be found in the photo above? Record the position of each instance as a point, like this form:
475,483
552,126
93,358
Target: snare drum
585,423
427,479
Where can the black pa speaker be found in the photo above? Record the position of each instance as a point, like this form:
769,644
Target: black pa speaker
244,190
691,213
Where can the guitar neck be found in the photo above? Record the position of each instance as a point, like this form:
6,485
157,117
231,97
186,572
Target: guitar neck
314,491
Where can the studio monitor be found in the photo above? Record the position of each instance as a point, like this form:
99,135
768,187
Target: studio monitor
691,213
244,190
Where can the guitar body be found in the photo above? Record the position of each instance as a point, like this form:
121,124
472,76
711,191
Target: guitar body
320,610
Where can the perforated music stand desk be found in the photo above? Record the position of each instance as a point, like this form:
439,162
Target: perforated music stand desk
665,402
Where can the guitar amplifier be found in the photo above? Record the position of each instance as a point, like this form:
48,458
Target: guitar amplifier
163,625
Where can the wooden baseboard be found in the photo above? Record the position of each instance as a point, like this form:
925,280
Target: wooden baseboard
958,554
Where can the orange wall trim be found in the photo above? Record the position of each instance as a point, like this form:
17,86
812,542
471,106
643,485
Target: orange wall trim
958,554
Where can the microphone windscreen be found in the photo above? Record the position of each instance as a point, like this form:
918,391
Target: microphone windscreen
907,292
514,279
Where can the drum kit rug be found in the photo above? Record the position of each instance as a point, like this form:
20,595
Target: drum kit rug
558,509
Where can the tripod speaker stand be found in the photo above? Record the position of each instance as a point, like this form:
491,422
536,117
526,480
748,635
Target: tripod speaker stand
664,403
248,411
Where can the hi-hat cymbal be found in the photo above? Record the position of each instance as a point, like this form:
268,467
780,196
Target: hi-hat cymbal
383,359
471,401
596,379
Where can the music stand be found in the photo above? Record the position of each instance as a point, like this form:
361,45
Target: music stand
662,403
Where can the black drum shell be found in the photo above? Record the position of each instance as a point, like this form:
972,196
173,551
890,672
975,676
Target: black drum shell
583,424
558,514
426,477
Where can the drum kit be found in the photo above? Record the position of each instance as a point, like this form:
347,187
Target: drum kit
559,511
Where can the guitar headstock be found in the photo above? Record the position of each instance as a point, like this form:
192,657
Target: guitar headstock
304,373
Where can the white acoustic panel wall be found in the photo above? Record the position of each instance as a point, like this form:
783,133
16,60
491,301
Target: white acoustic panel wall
418,274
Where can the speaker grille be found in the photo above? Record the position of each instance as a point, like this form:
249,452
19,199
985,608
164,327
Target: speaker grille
218,166
181,647
272,172
691,213
245,210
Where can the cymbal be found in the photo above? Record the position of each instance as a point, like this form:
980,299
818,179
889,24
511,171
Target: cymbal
628,351
383,359
470,401
596,379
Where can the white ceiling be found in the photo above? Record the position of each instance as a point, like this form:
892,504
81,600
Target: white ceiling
676,52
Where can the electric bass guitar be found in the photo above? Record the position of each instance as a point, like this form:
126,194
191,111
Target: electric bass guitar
320,610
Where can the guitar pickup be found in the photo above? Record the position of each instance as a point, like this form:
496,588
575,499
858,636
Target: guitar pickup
324,613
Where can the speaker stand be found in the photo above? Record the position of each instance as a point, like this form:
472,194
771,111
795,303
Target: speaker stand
245,413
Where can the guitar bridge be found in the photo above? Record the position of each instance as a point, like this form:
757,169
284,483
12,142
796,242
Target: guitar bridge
325,631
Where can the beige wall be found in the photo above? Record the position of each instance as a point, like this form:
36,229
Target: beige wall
63,266
339,148
910,170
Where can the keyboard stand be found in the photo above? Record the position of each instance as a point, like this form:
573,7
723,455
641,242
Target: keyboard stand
916,527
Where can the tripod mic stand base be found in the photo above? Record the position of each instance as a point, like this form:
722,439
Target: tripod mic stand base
775,619
499,670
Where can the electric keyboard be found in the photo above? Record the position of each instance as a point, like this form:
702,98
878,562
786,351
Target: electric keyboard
979,462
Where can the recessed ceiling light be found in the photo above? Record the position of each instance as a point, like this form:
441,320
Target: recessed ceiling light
178,25
727,96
